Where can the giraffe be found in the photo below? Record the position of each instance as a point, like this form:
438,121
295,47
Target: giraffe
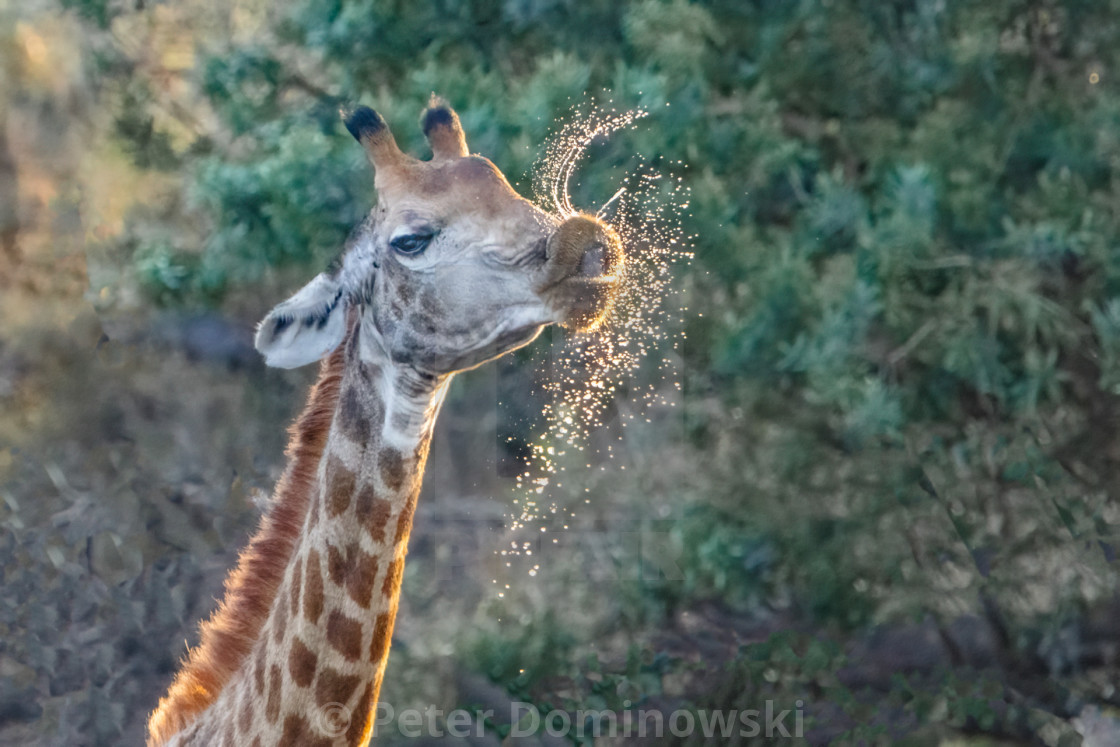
451,268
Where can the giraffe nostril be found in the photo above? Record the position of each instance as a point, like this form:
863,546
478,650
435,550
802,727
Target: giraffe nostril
592,264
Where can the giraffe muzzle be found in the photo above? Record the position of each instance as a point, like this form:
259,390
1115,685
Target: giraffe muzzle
584,271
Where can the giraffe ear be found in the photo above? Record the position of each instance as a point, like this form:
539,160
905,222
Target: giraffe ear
306,327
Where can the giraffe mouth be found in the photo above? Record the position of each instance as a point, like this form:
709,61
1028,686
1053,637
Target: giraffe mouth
587,301
585,263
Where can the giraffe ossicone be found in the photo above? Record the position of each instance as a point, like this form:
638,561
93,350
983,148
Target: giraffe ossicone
450,269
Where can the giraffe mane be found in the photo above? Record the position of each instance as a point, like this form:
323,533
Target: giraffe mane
227,637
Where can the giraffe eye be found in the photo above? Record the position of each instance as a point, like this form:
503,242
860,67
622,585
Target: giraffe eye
412,243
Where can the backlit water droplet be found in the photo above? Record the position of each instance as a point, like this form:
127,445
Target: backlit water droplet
588,370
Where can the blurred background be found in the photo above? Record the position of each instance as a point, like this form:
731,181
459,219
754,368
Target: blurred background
885,488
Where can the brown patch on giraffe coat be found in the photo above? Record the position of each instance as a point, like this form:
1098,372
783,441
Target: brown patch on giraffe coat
360,727
340,486
405,292
404,521
297,733
245,716
353,420
272,706
391,587
258,670
297,578
227,638
316,507
430,304
280,619
361,576
374,512
313,588
393,471
302,662
344,634
354,569
382,631
256,742
370,372
336,565
334,687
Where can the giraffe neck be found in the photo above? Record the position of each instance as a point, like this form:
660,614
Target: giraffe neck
314,672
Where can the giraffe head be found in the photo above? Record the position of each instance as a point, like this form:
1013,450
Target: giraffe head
452,267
